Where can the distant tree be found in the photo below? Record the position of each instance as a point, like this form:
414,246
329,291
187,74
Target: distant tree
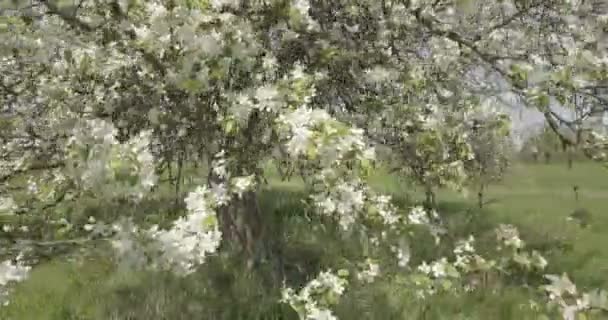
492,147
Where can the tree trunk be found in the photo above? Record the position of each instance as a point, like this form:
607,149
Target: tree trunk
244,229
480,196
429,202
170,169
242,226
178,180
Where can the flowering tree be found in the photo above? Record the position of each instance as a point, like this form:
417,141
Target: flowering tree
101,97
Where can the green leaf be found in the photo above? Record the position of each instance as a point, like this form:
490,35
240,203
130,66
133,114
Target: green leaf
420,278
543,100
295,17
343,273
372,210
327,54
154,116
366,168
191,85
312,152
210,222
197,4
598,299
522,259
230,126
446,285
467,6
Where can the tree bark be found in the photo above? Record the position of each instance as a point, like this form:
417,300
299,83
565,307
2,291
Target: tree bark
242,226
429,202
480,196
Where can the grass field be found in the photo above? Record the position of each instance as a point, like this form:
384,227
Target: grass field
536,198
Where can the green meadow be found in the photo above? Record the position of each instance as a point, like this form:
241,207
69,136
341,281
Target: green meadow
537,198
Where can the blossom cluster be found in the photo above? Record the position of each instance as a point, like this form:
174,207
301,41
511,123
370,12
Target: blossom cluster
313,301
315,137
370,271
11,271
7,205
345,201
445,273
564,294
96,160
597,146
191,238
508,237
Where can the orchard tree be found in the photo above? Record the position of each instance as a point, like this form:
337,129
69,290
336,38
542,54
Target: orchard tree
492,147
101,97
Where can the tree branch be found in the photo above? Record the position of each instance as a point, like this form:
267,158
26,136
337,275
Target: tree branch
70,18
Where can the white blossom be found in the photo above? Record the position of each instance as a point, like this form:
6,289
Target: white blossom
315,292
242,184
218,4
369,274
418,216
465,246
10,272
7,205
439,268
509,235
424,268
320,314
193,237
